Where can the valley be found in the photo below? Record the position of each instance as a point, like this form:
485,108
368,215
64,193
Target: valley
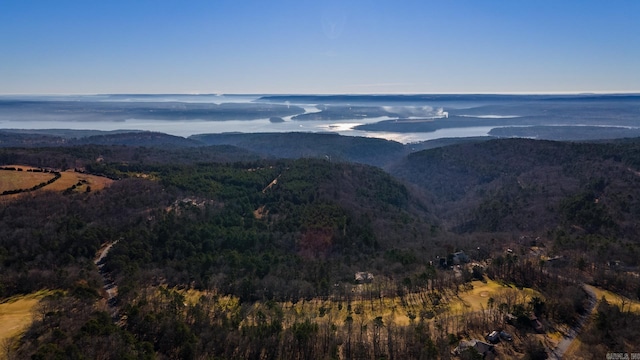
378,250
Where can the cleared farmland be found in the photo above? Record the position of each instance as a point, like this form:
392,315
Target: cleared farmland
14,180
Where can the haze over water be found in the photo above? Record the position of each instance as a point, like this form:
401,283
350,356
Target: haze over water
402,118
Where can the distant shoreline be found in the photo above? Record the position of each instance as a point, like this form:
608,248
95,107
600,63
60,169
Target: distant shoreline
405,118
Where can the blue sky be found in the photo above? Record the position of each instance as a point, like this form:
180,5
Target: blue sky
354,46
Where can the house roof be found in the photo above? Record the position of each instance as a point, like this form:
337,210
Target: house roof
481,346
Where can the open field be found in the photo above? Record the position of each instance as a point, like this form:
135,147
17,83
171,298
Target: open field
613,298
70,178
11,180
16,314
477,298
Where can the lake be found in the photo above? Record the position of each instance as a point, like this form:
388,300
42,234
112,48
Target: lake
402,118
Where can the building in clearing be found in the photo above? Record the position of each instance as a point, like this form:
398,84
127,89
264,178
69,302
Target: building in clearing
487,351
364,277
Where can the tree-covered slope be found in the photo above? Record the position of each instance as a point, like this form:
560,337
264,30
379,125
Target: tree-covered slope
249,236
245,231
334,147
250,222
277,229
581,195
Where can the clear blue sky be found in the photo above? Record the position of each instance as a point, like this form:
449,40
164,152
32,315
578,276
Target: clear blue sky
351,46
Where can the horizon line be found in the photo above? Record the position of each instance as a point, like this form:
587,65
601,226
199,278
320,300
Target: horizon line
636,92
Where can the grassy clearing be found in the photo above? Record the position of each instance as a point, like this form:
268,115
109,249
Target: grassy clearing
16,313
476,299
70,178
13,180
616,299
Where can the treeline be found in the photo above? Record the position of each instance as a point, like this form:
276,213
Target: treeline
162,324
166,323
56,176
74,326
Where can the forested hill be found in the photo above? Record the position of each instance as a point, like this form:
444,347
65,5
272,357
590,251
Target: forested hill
55,137
128,158
240,227
292,228
262,230
585,194
312,145
265,220
294,145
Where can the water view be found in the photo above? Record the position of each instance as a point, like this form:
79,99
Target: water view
402,118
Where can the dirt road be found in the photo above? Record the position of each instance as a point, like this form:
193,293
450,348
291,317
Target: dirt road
109,286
